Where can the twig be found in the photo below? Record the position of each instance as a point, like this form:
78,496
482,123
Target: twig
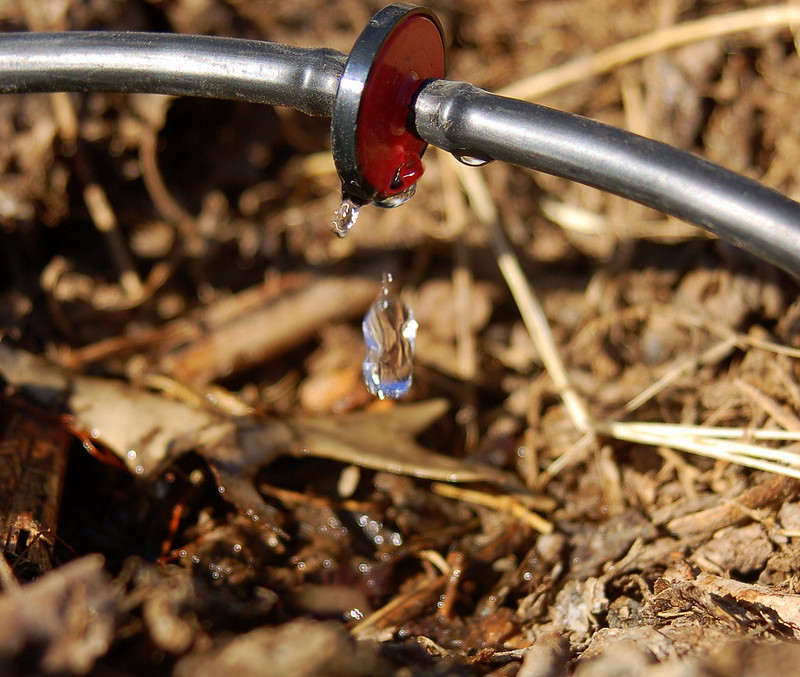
422,591
268,331
723,331
784,418
105,220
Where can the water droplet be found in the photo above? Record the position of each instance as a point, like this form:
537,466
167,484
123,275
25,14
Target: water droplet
354,614
471,160
397,199
389,331
409,172
345,217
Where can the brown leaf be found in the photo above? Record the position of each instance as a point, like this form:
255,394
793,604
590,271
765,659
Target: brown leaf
147,430
384,441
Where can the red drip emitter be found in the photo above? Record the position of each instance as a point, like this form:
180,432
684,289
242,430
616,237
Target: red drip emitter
376,154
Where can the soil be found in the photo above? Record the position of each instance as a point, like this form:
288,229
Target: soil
196,479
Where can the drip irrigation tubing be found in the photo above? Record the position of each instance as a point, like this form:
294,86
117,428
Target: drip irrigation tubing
455,116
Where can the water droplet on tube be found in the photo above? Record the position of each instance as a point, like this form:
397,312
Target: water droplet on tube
345,217
471,160
389,331
397,199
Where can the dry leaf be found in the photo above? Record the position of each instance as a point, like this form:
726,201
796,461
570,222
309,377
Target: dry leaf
148,430
383,441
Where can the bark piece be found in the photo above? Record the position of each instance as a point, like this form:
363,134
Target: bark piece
61,623
33,459
773,491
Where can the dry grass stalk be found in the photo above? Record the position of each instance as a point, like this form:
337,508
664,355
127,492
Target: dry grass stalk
606,60
708,442
529,306
501,503
717,443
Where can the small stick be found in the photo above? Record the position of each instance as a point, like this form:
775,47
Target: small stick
266,332
727,451
420,594
455,561
783,417
672,429
105,220
167,206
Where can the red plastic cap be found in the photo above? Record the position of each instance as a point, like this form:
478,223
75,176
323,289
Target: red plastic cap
389,154
377,155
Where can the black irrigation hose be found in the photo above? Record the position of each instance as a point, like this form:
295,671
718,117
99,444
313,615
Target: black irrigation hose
463,119
165,63
455,116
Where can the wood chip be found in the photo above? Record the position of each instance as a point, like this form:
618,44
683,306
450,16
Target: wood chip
768,493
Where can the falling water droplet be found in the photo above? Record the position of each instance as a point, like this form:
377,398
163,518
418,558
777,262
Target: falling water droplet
389,331
471,160
397,199
345,217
